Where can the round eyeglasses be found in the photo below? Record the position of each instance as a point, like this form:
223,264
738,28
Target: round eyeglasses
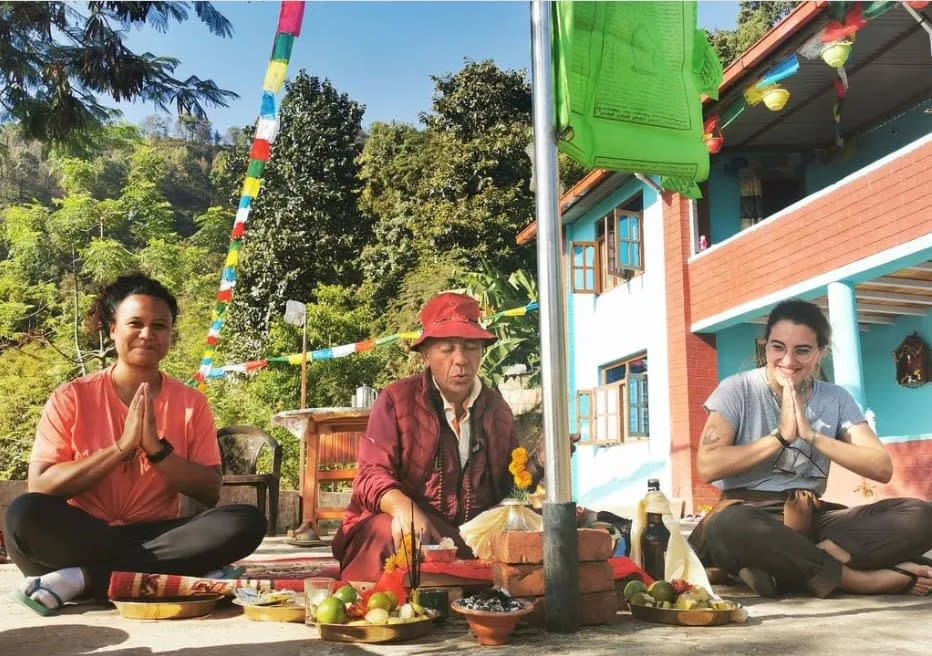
802,354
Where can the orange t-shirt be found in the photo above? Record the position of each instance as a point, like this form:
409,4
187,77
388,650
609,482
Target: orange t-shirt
86,415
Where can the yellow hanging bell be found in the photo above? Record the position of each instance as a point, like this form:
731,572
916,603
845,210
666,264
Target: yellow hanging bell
776,98
836,53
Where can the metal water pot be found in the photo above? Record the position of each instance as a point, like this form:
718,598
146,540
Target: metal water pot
364,397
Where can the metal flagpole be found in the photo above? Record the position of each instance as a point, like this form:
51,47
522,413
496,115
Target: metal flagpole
561,581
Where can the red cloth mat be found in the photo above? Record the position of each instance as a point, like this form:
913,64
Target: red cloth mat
290,575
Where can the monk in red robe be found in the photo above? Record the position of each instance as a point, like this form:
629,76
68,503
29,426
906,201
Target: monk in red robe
436,450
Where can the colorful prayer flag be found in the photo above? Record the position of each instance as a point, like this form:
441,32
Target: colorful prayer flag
627,79
290,18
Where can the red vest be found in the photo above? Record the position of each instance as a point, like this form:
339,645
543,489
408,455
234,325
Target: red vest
409,446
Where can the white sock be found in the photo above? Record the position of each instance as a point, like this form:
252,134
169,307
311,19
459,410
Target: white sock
67,583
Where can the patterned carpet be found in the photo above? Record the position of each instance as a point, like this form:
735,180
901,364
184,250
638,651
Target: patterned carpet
291,568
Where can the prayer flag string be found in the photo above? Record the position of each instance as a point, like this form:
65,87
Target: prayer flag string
290,17
344,350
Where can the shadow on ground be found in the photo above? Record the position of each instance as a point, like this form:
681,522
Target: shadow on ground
80,640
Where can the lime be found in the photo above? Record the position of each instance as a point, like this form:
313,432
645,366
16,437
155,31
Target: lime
347,594
633,588
377,616
393,597
662,591
641,599
380,600
331,610
686,602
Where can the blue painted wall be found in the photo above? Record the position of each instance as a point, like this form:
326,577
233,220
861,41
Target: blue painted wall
735,348
901,411
724,193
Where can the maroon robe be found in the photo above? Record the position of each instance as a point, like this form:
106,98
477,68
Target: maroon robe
409,446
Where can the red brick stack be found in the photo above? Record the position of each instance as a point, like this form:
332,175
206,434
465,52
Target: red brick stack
519,569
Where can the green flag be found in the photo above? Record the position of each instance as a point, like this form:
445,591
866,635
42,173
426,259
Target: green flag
627,79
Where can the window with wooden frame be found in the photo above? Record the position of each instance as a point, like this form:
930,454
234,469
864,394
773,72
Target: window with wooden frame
615,257
586,267
629,243
618,410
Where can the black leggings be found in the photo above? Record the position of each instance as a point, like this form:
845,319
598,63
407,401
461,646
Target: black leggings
44,533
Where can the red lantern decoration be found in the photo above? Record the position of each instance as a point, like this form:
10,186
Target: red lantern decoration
712,134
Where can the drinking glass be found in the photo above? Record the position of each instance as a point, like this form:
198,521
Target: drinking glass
316,589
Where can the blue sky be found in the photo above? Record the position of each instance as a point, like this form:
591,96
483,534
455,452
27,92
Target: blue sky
380,53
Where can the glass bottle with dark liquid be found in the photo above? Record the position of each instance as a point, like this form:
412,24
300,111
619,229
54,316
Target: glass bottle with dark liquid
654,538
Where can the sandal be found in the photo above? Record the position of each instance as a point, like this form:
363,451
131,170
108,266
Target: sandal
913,579
308,538
25,598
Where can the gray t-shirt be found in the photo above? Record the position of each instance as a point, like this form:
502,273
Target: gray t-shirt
746,401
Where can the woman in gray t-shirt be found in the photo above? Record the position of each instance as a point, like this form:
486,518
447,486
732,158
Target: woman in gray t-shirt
769,441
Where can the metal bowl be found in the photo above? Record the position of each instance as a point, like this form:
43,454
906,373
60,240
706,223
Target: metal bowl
167,608
285,612
703,617
373,633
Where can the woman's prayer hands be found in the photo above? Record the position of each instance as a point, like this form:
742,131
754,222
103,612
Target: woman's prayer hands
131,437
141,430
788,425
150,430
793,420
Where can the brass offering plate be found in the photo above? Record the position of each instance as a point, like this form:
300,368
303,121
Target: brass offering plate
373,633
704,617
167,608
284,612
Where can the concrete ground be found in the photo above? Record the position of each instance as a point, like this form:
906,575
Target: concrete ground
790,626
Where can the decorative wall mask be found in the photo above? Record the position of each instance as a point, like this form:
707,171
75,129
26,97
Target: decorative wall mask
913,362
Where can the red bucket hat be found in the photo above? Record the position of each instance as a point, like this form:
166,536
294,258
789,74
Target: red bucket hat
452,315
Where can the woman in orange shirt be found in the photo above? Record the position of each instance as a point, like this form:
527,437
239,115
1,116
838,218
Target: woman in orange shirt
113,452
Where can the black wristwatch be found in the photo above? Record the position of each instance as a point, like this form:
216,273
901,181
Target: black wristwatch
162,453
777,434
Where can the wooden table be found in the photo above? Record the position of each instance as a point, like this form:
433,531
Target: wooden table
315,427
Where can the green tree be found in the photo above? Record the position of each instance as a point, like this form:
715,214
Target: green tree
754,20
54,59
25,175
305,228
518,337
454,195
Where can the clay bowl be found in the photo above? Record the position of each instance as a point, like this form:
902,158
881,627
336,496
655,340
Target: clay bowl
434,553
492,629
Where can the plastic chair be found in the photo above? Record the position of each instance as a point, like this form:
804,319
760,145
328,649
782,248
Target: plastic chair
240,447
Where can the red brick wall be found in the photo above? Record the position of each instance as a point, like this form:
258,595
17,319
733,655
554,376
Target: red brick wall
912,477
882,209
692,359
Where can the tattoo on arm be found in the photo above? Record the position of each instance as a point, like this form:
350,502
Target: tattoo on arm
711,436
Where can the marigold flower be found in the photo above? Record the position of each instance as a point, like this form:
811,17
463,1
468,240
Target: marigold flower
519,455
523,479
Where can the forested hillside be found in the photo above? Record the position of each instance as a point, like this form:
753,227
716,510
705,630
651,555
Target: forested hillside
362,227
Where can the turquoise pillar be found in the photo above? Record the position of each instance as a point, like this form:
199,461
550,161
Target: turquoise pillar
846,342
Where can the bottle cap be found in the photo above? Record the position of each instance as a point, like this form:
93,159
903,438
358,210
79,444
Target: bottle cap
653,483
